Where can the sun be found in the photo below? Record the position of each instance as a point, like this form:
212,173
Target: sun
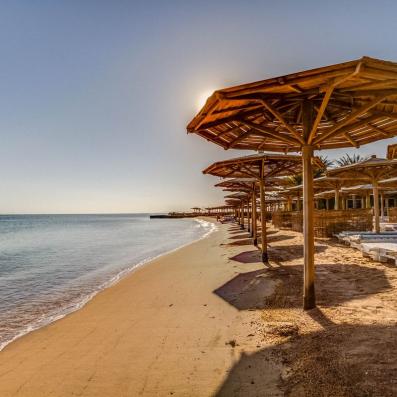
202,99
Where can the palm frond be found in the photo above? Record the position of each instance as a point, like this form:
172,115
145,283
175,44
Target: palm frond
348,160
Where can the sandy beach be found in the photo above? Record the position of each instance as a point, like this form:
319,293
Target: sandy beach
210,319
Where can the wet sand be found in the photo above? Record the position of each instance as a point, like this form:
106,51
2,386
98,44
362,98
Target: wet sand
211,320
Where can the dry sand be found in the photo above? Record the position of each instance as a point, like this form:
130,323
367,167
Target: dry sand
210,319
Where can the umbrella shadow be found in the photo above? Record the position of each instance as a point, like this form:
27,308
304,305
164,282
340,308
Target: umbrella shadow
253,256
239,236
285,253
341,360
278,237
281,286
246,241
277,254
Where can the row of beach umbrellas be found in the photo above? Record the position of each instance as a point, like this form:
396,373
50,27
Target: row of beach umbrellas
339,106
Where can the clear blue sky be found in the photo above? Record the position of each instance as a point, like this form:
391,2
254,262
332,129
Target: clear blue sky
95,95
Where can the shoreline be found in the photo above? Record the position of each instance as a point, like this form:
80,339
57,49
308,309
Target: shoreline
166,329
211,320
64,312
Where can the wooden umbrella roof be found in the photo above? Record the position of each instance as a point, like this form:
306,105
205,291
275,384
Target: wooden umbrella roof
220,207
363,188
390,182
250,166
234,183
324,184
329,182
237,195
233,202
325,194
246,184
373,169
274,189
355,104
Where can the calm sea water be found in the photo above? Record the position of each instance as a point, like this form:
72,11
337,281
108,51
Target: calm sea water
51,265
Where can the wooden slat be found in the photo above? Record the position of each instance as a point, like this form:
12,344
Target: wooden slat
320,112
353,116
280,118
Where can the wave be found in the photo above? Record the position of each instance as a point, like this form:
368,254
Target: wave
209,228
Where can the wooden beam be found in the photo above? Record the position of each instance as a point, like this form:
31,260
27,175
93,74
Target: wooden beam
353,116
231,130
272,133
320,112
380,131
250,173
250,88
351,140
371,85
296,88
280,118
392,116
227,119
239,138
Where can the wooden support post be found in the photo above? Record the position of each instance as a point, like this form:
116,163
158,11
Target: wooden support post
289,203
309,299
242,215
376,205
248,217
382,206
336,205
343,203
326,204
254,224
367,200
354,202
265,258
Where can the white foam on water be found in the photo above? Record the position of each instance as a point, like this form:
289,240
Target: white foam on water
209,228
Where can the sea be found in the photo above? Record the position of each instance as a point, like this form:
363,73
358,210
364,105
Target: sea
51,265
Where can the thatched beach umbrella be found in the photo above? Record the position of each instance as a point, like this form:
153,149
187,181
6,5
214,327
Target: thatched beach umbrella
261,166
366,190
251,185
343,105
247,185
372,170
326,183
242,198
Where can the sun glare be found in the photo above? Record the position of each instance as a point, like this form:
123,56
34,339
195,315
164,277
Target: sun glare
202,99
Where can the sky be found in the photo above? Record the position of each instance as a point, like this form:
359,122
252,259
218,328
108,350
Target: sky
95,96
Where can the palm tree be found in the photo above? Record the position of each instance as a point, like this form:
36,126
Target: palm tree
348,160
296,180
321,171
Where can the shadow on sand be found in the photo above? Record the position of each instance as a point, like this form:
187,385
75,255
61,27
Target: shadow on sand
237,243
239,236
341,360
277,254
281,286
